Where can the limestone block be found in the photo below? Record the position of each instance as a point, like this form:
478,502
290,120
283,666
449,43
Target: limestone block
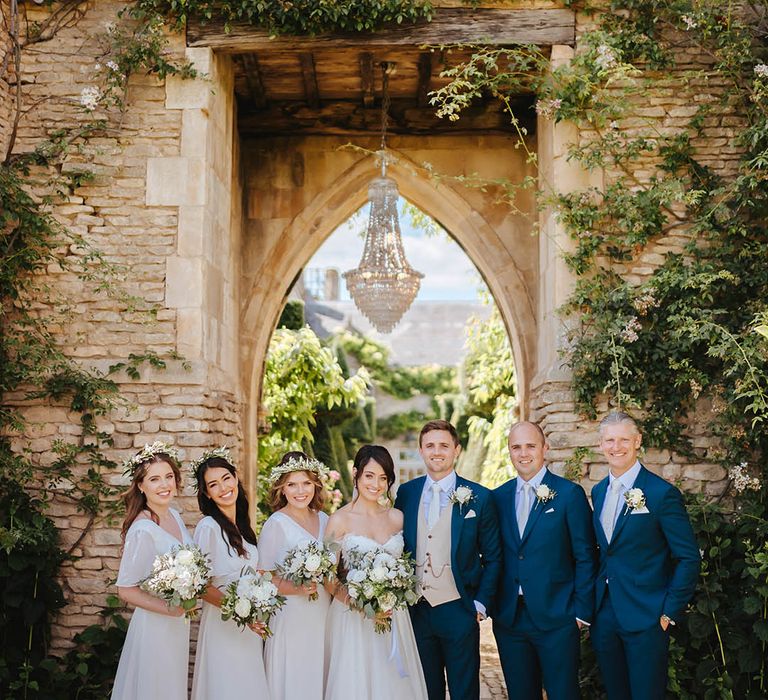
704,472
170,412
598,471
191,231
107,536
175,181
89,564
85,585
184,282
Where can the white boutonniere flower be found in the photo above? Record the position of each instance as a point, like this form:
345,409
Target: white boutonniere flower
635,499
544,494
461,496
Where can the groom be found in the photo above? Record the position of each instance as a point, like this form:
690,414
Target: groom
547,587
648,566
450,528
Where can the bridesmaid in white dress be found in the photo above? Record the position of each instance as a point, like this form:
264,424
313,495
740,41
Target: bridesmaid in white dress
228,661
294,654
362,663
155,657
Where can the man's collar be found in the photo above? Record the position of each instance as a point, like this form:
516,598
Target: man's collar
447,483
535,480
627,479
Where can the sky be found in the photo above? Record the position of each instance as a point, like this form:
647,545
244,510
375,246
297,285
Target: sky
449,274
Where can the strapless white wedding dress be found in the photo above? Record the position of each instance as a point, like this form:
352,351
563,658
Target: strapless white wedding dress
362,663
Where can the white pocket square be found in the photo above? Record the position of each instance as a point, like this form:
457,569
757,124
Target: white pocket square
551,510
470,514
639,511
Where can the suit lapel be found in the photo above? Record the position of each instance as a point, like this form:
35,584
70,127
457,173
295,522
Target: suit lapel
538,509
624,514
510,517
411,513
598,498
457,520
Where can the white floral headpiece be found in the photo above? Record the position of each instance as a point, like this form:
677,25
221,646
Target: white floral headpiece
298,464
147,453
220,452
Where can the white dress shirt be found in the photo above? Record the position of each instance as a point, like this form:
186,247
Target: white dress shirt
627,481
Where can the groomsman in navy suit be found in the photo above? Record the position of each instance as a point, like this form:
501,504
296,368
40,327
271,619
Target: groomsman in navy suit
648,566
450,528
547,585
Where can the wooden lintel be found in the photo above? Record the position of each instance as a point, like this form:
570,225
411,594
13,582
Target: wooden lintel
309,76
253,78
405,117
494,27
425,75
366,78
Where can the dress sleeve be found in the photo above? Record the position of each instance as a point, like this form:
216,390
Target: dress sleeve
139,553
209,538
272,544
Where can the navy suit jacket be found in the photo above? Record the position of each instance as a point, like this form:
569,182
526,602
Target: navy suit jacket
652,562
554,561
475,548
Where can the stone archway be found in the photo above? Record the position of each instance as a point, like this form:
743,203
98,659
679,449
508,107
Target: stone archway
322,187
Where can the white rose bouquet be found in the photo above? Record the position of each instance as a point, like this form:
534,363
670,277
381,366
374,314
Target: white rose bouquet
252,598
379,582
312,562
179,577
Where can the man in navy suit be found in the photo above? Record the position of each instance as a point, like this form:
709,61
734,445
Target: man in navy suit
450,528
546,589
648,566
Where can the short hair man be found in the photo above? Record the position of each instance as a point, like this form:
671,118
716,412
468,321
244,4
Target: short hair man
546,588
451,529
648,566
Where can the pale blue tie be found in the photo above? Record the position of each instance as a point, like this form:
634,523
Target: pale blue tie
434,507
525,508
608,516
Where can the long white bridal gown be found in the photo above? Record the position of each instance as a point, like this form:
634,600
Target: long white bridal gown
294,654
362,663
228,661
155,658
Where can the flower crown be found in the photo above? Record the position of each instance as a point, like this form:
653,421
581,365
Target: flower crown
220,452
298,464
147,453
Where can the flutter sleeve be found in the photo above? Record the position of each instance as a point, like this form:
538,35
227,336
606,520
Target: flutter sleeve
272,545
139,553
209,538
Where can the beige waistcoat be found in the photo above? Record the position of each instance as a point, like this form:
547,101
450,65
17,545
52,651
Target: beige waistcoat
433,558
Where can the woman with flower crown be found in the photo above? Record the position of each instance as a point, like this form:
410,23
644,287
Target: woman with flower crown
385,665
294,654
155,657
228,661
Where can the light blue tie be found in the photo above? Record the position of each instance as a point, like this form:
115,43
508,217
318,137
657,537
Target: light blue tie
524,509
608,516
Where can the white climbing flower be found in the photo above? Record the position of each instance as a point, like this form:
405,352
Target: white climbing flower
89,98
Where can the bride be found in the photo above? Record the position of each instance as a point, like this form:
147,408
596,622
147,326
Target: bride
361,662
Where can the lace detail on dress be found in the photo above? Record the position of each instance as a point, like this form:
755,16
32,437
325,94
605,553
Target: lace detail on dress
394,545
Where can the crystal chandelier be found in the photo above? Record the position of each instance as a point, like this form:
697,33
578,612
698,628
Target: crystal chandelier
383,285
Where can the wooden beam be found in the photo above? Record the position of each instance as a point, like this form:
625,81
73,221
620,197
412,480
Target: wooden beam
253,78
350,118
448,26
425,75
309,76
366,78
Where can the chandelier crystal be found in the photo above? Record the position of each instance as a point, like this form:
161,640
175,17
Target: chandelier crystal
383,286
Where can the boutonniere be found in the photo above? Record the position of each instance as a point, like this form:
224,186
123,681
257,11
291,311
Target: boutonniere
635,499
544,494
461,496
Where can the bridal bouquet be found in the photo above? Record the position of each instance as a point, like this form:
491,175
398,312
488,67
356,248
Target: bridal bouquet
379,582
312,562
179,577
252,598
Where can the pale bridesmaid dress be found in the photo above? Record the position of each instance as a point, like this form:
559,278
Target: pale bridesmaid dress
294,654
228,661
154,662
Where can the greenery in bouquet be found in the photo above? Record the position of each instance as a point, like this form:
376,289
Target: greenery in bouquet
312,562
379,582
252,598
179,577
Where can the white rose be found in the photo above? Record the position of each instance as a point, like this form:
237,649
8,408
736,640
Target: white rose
387,601
264,592
368,590
463,494
243,607
312,563
184,557
356,576
378,574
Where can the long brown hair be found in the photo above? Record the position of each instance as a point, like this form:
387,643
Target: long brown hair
378,454
233,533
135,501
277,499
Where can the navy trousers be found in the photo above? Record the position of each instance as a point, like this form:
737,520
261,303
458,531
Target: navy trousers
532,658
633,665
448,639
